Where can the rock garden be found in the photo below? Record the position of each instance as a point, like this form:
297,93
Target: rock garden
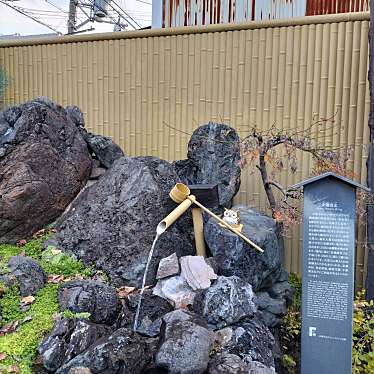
77,221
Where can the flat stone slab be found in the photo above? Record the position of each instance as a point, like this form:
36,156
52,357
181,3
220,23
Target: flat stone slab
197,272
168,266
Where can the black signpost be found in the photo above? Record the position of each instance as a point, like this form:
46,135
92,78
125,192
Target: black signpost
328,274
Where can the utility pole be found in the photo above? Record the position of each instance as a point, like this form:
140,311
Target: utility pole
72,16
370,163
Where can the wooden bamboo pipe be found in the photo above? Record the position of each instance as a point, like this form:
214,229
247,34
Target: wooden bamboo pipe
198,227
173,216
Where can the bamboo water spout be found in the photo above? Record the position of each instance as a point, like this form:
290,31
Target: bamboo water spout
181,195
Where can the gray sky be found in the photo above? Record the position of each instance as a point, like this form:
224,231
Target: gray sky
54,13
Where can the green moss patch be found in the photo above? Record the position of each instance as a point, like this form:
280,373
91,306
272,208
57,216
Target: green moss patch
21,346
18,349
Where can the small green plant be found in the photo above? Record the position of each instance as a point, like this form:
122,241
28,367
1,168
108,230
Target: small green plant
70,314
290,330
60,263
363,335
9,305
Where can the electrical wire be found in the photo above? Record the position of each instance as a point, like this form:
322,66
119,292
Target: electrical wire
144,2
63,11
16,8
125,13
56,6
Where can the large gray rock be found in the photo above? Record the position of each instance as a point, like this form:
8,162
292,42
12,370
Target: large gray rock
121,353
112,224
271,310
44,163
28,273
255,367
104,149
227,301
213,158
185,345
69,338
235,257
251,340
94,297
226,363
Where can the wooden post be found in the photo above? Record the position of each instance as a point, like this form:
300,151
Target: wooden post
198,226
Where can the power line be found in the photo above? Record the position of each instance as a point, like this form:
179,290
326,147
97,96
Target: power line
144,2
126,13
56,6
17,9
61,10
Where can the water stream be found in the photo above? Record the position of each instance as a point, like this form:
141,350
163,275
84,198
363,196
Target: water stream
160,230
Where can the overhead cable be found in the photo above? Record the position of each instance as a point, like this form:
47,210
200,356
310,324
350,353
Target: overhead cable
15,8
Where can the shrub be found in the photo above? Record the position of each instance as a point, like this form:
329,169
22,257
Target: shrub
363,335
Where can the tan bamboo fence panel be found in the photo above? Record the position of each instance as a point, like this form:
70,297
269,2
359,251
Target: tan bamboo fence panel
132,85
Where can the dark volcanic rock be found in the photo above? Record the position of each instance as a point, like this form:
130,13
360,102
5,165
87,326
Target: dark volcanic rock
185,345
271,310
75,114
235,257
104,149
226,363
69,338
96,298
272,303
112,224
121,353
213,158
227,301
282,290
29,274
275,306
44,162
252,341
151,311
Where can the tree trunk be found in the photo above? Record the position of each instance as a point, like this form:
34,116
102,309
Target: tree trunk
370,162
265,182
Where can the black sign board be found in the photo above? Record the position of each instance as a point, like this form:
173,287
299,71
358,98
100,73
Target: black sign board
328,274
207,194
